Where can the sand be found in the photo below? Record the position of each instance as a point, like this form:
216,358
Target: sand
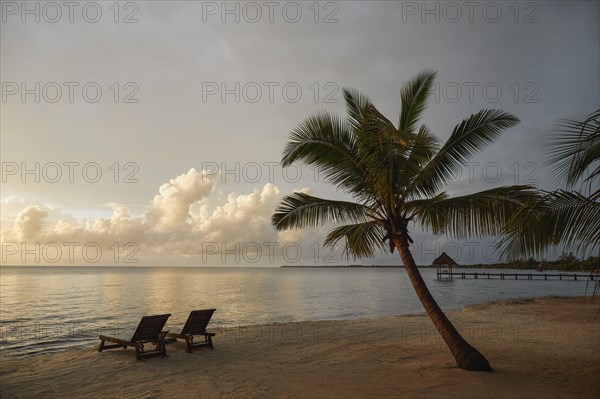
540,348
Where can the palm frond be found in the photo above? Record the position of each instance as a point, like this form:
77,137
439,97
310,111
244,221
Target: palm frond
474,215
467,139
422,148
560,217
327,143
357,105
361,239
529,232
414,99
575,148
382,149
300,210
420,207
577,220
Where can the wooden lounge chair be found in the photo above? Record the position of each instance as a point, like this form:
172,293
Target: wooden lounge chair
149,330
196,326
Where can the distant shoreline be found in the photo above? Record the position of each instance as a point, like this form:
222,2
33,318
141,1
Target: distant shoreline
348,266
587,265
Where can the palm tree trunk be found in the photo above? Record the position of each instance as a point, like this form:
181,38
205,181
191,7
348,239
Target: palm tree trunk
466,356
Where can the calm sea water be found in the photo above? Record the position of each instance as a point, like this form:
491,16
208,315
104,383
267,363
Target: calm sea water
54,308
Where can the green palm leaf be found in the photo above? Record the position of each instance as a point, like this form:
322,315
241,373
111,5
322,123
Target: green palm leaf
575,149
327,143
422,148
382,149
414,99
577,220
357,105
361,240
467,139
301,210
566,218
561,218
474,215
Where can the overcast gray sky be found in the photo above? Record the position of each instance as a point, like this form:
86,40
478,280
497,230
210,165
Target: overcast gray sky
111,113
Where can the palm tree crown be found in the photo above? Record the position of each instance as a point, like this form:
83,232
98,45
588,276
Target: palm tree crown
395,175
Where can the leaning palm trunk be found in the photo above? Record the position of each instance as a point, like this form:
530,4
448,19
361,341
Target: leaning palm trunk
466,356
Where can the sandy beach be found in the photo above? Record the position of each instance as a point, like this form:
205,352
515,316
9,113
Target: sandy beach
539,348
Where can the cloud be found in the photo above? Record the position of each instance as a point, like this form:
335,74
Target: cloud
242,218
171,206
179,221
29,222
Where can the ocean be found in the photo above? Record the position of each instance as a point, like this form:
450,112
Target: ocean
55,308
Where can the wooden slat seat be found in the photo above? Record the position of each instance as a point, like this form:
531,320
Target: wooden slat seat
196,326
150,330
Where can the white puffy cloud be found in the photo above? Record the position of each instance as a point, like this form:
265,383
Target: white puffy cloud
171,206
29,222
242,218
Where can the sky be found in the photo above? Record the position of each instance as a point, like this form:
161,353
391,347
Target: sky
150,132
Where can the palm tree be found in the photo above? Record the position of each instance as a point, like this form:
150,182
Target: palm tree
396,175
566,217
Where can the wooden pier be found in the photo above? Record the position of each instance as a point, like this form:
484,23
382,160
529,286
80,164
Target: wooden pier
441,274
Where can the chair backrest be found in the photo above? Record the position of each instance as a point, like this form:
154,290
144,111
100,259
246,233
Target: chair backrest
197,321
150,328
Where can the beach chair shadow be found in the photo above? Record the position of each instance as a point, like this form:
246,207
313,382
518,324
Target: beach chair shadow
148,331
195,326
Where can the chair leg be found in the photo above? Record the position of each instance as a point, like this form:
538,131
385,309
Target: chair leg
161,346
101,346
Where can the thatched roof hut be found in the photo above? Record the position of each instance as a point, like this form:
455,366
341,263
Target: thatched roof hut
444,260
